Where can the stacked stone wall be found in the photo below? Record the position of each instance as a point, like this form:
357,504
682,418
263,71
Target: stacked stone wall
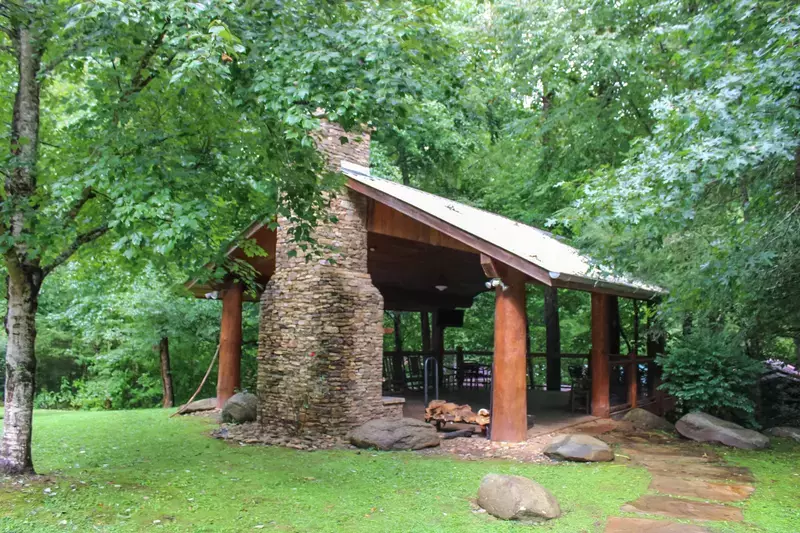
321,327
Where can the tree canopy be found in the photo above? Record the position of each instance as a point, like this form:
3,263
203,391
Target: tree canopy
659,135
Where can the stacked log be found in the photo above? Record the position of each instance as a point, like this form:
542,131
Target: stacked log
442,412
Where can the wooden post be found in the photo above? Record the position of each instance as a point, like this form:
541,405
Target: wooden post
633,380
601,348
553,339
230,344
509,393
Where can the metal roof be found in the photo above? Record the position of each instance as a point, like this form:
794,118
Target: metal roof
554,262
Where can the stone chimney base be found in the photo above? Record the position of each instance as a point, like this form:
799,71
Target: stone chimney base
321,333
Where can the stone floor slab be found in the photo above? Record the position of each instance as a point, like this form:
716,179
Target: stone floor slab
665,451
678,508
697,488
706,471
618,524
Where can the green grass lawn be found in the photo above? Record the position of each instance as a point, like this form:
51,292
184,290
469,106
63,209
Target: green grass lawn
126,470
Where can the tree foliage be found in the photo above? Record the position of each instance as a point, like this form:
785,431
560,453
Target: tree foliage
659,135
709,203
154,127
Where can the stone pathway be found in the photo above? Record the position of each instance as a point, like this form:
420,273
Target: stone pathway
688,483
641,525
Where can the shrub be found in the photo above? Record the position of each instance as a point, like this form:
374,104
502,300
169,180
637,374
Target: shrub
709,371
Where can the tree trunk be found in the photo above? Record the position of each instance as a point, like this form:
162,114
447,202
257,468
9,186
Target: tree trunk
425,326
397,320
166,372
397,361
797,353
23,295
614,326
24,274
552,339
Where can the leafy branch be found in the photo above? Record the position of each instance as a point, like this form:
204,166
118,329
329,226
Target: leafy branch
80,240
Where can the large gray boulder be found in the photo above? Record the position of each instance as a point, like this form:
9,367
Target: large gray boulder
197,406
394,434
784,432
647,421
703,427
517,498
240,408
579,447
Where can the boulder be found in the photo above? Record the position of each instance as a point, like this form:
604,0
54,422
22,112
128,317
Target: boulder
703,427
784,432
394,434
579,447
517,498
647,421
240,408
199,405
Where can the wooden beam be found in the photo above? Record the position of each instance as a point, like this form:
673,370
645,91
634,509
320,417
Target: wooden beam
553,339
230,344
600,353
384,220
509,393
397,299
576,284
489,267
536,272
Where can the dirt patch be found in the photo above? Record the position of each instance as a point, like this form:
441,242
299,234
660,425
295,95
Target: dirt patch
475,447
252,433
479,447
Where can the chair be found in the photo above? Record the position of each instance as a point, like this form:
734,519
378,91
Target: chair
391,383
413,368
580,388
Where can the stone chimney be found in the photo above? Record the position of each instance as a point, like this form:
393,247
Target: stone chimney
337,145
321,327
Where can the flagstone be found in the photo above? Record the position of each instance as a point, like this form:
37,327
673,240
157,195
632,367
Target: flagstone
697,488
618,524
679,508
699,470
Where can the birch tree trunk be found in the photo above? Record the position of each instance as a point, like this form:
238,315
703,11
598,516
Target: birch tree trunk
23,296
24,273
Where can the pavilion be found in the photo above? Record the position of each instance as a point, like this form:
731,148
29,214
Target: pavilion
394,247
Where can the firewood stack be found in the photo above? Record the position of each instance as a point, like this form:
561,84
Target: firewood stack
442,412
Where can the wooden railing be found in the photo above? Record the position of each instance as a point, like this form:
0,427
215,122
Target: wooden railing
623,394
480,353
471,368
